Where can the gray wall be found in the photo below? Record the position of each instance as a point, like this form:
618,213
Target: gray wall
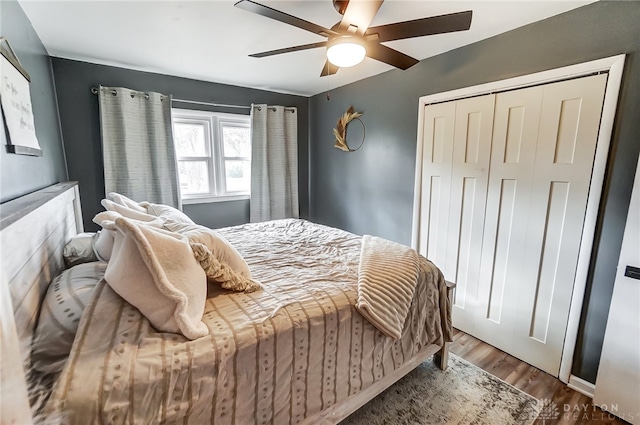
81,129
371,190
21,174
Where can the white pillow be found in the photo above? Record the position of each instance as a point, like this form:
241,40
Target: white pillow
80,249
126,211
106,220
217,244
103,244
127,202
63,305
156,271
166,212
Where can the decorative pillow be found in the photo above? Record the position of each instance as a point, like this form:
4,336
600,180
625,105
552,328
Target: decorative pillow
61,310
79,249
156,271
166,212
217,244
127,202
220,272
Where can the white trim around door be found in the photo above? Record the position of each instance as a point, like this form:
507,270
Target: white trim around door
614,65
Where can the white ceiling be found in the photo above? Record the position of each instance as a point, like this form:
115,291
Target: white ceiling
211,40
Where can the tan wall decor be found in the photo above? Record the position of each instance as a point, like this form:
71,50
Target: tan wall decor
341,130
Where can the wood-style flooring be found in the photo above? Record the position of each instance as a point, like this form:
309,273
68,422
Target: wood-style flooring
572,406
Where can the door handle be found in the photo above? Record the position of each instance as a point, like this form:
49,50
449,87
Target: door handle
632,272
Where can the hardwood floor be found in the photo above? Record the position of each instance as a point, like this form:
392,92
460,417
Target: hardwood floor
573,407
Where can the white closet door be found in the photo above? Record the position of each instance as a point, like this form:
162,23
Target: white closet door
514,231
467,199
541,295
515,134
438,125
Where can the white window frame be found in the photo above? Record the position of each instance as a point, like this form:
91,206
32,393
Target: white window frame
214,123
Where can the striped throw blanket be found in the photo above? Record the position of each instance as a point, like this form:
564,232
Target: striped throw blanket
387,278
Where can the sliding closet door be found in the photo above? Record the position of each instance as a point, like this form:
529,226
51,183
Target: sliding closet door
569,124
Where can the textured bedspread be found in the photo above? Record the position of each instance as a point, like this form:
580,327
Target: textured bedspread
272,357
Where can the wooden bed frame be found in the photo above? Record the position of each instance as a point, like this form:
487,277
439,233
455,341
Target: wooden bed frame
34,230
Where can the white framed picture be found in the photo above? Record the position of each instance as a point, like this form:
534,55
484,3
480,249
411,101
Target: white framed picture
15,98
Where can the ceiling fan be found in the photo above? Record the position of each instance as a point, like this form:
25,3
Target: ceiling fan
351,39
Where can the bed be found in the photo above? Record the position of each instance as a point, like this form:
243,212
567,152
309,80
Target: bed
297,351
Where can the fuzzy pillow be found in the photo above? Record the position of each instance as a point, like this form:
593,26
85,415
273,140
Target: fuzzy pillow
217,244
103,244
63,305
80,249
156,272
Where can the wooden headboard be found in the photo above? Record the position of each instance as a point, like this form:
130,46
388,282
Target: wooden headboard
33,232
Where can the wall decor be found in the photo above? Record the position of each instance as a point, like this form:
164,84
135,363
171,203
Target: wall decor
15,98
341,130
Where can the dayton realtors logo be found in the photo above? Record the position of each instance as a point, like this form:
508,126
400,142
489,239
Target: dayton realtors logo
548,412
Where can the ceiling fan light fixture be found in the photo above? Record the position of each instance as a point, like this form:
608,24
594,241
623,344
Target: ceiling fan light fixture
344,52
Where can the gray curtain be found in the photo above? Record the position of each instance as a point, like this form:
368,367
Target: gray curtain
137,145
274,163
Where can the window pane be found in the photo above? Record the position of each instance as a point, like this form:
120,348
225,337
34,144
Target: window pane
190,139
237,175
237,141
194,177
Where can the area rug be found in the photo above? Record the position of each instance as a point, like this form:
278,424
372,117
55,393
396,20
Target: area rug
462,394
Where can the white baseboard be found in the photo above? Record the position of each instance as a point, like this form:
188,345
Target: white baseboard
582,386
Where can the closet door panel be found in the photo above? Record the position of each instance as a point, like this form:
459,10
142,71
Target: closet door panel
468,191
569,123
515,133
438,127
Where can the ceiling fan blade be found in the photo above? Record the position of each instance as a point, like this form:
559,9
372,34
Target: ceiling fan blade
452,22
329,69
268,12
388,55
359,14
289,49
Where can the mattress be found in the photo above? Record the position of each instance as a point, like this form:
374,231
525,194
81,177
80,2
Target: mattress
275,356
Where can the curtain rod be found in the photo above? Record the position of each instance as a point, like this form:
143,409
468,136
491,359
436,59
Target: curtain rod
221,105
226,105
94,90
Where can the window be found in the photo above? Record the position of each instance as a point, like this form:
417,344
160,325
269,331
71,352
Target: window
214,155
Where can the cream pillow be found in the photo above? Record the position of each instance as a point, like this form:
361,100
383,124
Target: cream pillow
127,212
127,202
156,271
63,305
217,244
166,212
